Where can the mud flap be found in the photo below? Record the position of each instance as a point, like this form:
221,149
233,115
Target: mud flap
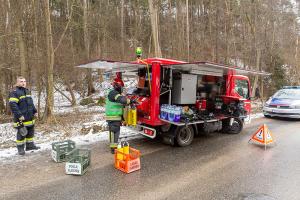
169,139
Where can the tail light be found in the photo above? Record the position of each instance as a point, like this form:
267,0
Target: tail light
148,132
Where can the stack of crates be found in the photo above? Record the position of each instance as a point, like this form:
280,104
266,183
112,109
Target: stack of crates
127,162
79,161
61,149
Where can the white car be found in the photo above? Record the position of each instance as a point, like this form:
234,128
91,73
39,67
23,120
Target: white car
284,103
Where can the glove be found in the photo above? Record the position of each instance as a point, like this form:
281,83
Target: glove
133,101
22,118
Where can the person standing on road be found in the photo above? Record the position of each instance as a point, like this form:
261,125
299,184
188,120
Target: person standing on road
114,111
24,113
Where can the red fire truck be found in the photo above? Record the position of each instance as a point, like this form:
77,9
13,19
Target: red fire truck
210,97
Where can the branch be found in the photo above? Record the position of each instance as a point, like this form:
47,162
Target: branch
58,90
66,28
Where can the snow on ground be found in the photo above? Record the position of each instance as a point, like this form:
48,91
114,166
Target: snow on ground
44,138
45,141
257,115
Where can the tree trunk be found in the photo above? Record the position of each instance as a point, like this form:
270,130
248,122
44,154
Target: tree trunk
23,67
50,63
70,88
2,106
122,31
91,89
187,31
255,83
154,26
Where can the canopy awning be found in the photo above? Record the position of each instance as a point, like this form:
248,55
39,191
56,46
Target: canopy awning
202,68
111,66
208,68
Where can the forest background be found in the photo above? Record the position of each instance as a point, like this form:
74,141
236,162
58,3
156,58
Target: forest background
43,40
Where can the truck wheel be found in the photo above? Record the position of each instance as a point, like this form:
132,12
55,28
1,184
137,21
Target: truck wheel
184,135
267,116
235,128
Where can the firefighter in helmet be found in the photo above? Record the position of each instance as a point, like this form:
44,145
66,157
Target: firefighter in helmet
114,111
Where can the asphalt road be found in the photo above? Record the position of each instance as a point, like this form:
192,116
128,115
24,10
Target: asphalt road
217,166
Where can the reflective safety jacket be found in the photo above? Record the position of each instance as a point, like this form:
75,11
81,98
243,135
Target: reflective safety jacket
114,104
21,104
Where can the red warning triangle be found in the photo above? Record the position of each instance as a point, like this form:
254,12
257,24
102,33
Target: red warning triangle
263,135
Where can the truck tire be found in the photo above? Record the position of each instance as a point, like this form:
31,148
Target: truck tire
184,135
235,128
267,116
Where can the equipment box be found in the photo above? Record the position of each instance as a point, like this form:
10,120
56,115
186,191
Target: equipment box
184,89
79,161
128,162
60,149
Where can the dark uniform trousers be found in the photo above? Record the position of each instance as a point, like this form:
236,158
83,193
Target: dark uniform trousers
28,139
114,132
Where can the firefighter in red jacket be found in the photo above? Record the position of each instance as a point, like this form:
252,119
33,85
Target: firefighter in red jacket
24,112
114,111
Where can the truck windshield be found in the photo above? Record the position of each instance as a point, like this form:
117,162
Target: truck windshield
241,87
288,94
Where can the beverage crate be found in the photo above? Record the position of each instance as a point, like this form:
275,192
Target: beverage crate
79,161
128,162
60,149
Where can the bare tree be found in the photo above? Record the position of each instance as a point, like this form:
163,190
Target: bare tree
154,24
50,63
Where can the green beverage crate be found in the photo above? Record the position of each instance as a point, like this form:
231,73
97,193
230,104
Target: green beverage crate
61,149
79,161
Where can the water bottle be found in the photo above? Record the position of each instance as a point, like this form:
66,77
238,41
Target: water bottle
171,113
177,114
163,111
168,110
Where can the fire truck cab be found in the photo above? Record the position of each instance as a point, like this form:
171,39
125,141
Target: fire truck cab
178,100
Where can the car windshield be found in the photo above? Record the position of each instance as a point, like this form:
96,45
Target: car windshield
287,94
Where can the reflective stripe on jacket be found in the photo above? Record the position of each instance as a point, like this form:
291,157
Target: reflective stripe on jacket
21,104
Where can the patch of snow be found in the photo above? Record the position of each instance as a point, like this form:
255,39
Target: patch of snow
45,141
7,133
257,115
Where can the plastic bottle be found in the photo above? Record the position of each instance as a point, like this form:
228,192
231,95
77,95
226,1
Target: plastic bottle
167,111
172,113
133,116
163,111
125,149
177,114
120,149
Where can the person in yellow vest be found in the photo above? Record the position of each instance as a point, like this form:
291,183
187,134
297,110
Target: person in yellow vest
114,104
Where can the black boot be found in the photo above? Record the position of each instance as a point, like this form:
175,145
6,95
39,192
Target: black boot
112,149
31,146
21,149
